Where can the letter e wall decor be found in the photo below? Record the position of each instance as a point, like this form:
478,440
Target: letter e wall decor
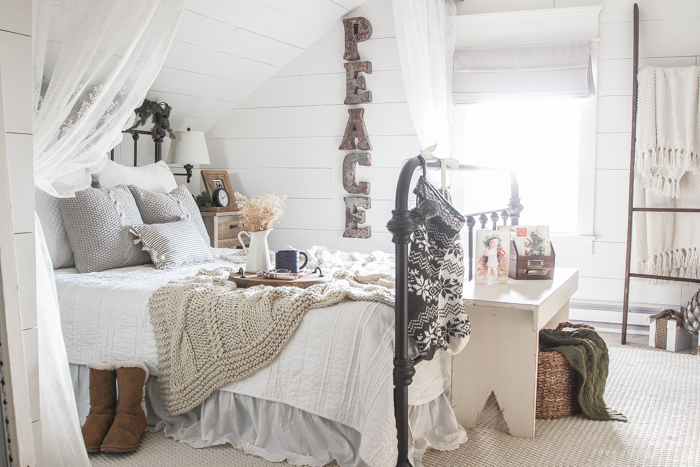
353,217
353,83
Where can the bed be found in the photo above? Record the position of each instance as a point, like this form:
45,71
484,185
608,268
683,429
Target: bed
329,395
105,318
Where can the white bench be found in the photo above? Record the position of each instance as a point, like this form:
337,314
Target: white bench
501,356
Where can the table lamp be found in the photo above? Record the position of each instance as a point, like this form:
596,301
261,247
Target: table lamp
188,148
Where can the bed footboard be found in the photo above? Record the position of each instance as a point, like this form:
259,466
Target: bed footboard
402,227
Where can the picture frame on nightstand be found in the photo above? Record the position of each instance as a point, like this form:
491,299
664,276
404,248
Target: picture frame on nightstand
219,179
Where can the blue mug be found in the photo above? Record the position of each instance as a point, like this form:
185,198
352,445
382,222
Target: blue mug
289,260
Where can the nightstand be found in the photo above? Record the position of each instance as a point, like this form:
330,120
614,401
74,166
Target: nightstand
223,228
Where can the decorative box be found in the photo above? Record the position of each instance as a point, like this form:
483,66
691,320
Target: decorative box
666,332
523,267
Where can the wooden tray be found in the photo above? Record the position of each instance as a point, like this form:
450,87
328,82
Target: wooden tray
252,281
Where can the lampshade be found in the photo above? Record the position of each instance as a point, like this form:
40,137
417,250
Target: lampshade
188,147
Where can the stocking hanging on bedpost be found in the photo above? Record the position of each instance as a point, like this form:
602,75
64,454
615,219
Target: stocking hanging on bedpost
437,319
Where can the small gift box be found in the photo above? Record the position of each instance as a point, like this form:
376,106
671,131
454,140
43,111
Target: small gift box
666,331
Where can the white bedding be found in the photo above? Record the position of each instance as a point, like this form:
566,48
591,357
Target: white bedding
338,361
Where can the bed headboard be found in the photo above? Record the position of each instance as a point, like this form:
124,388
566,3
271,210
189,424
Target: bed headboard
135,134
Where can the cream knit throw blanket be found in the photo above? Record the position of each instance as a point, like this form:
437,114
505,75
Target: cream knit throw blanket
209,333
666,171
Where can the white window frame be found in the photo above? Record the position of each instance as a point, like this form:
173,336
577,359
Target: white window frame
545,26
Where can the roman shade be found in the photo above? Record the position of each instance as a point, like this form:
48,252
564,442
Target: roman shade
546,70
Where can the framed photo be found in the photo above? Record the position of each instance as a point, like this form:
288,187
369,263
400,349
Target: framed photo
215,179
492,253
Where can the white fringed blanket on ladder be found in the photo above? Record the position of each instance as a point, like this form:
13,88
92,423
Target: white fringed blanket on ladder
666,171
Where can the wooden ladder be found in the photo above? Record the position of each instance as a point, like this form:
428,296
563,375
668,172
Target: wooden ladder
631,209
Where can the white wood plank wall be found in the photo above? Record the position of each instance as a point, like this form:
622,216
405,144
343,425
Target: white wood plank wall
669,36
16,55
284,138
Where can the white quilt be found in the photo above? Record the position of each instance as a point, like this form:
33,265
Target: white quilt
105,318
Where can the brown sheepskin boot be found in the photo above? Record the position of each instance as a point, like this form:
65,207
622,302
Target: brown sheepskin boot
103,404
130,422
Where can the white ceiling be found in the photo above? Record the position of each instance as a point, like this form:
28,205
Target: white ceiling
224,49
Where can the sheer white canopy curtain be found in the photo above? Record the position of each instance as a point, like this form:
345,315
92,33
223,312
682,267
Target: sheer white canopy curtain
93,63
425,32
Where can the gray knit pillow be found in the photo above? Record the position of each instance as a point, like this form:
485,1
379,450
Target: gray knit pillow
159,208
97,223
174,244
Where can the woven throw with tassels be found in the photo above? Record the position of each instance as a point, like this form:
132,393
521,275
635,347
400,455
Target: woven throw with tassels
662,326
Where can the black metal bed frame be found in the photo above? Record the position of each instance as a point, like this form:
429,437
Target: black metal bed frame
135,135
402,227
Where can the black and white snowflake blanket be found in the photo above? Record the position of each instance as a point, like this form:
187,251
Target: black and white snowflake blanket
437,319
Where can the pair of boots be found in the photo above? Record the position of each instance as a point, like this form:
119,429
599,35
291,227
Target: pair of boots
116,425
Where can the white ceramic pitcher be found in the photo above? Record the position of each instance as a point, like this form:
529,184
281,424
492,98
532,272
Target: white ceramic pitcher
258,253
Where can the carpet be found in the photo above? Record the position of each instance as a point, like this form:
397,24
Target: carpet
658,391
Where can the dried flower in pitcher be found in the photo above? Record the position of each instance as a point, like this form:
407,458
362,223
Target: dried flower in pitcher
260,213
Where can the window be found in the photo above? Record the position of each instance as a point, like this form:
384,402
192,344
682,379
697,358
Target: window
520,83
538,139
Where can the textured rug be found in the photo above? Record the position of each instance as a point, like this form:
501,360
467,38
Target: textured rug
658,391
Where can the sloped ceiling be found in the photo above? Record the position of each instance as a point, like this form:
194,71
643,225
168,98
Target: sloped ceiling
224,49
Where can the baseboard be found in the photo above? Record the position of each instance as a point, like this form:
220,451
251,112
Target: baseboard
608,317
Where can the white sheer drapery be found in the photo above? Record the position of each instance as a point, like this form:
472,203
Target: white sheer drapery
425,32
93,63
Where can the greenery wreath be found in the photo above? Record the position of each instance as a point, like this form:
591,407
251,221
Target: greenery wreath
159,113
488,238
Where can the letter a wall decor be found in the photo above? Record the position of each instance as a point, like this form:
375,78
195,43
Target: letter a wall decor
356,136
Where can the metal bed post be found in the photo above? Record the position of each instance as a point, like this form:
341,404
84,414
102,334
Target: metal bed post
136,148
159,145
402,226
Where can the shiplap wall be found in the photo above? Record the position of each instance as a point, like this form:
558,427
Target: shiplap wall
16,58
284,138
222,51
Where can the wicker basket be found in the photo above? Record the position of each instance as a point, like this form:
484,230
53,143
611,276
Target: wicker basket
557,383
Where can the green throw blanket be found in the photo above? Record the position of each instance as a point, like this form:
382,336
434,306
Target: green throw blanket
587,353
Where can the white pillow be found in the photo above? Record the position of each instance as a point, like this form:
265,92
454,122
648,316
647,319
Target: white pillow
49,212
153,177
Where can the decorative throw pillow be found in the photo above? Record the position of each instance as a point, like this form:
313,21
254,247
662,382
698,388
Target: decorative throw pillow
159,208
174,244
97,223
49,211
154,177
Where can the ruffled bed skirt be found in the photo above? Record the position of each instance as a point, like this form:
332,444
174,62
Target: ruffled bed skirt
278,432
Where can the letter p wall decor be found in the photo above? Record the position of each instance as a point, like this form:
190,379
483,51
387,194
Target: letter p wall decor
356,136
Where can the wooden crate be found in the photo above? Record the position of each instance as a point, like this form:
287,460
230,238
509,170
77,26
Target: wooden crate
530,267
